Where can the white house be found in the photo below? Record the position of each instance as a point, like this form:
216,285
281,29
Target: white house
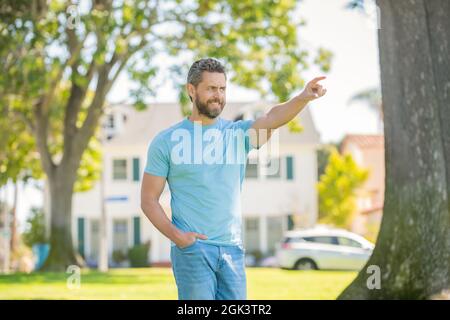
270,204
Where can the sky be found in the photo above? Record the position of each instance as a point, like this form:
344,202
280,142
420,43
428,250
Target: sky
349,34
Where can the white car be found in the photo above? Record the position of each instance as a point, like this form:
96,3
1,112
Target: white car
323,248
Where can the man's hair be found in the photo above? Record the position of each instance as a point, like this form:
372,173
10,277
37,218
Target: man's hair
205,64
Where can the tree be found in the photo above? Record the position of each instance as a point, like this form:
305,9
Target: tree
88,47
413,246
18,163
19,159
323,156
337,189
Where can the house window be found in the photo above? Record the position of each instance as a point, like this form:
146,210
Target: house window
274,233
119,169
251,234
95,240
252,224
110,121
251,170
120,235
257,114
273,168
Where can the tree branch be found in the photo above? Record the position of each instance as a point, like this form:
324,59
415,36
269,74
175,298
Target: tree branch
76,99
41,139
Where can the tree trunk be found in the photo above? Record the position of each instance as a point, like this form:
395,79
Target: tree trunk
62,253
413,247
14,239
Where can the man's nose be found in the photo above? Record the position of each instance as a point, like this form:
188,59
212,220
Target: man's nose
217,95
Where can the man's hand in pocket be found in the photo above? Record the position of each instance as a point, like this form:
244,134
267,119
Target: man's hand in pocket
189,238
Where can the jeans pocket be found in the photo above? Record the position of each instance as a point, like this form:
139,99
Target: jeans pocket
189,246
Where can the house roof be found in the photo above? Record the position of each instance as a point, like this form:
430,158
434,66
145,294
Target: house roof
363,141
373,209
142,126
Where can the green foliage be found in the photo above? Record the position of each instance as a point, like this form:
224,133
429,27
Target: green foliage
35,228
119,256
294,126
337,189
90,167
138,255
19,159
323,155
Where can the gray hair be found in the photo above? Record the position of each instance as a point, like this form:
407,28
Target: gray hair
205,64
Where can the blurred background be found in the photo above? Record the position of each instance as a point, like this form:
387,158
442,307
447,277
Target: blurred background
86,85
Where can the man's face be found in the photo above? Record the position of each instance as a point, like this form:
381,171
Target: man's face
210,95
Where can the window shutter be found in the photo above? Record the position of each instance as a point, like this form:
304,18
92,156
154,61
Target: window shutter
136,169
137,230
290,222
289,168
81,236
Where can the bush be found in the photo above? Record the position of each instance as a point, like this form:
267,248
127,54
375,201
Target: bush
35,228
119,256
138,255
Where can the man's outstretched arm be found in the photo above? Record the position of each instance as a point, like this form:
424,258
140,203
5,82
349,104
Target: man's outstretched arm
152,187
282,113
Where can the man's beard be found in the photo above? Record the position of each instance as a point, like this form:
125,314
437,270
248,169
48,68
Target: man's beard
203,108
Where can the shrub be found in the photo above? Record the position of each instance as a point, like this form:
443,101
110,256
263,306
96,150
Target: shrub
119,256
35,228
138,255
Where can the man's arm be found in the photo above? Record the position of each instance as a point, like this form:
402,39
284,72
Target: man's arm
282,113
152,187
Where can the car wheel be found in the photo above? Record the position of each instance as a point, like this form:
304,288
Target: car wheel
305,264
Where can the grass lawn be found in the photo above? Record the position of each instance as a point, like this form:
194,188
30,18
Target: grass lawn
158,283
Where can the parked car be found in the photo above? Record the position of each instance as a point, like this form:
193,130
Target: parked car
323,248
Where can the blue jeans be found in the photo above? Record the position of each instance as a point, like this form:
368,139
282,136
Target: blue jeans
209,272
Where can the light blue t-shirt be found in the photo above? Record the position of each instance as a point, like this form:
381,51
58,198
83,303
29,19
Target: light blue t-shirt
204,167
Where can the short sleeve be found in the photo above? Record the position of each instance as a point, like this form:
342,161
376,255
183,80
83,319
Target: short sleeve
157,158
245,126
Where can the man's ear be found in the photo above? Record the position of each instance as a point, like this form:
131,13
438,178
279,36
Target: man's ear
190,89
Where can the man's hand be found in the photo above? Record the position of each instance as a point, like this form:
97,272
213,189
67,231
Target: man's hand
282,113
188,238
313,90
152,187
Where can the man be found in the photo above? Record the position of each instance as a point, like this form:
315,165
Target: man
206,246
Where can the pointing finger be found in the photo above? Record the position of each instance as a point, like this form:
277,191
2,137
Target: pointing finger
317,79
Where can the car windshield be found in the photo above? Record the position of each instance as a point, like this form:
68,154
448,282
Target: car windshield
344,241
